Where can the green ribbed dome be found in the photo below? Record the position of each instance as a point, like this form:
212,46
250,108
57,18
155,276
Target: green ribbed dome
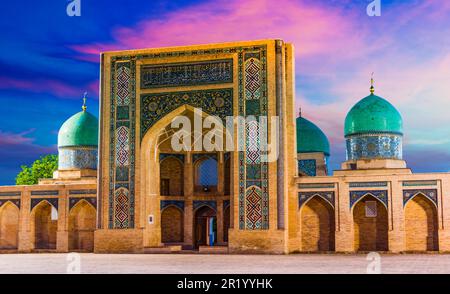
81,129
373,114
310,138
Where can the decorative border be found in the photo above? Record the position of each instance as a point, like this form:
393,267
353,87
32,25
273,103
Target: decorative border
316,186
303,197
431,194
178,203
122,143
381,195
367,184
225,66
419,183
10,194
45,193
82,192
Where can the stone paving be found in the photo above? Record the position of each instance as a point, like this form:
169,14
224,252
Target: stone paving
226,264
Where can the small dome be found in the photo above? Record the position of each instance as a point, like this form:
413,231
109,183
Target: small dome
373,114
310,138
81,129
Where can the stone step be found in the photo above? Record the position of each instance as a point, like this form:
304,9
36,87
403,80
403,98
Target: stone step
213,249
164,249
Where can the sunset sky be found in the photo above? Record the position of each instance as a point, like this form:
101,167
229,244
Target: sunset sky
49,59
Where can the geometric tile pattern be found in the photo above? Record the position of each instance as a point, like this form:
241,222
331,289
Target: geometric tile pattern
251,89
305,196
122,150
374,146
381,195
253,172
77,157
431,194
122,208
186,74
155,106
307,166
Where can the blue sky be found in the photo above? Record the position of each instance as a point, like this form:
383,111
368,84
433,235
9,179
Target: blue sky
49,59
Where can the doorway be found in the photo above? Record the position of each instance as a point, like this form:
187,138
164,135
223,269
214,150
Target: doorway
205,227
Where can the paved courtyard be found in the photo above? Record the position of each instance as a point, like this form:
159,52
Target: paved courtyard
216,264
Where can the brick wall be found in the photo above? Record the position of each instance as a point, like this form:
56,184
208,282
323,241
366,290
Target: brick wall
421,225
317,226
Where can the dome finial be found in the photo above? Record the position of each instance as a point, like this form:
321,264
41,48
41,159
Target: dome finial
372,89
84,107
299,112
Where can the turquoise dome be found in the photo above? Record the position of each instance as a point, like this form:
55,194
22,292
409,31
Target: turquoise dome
310,138
81,129
373,114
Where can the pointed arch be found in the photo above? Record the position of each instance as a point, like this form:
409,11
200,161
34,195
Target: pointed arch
172,224
171,170
317,224
421,224
44,226
9,225
82,224
370,224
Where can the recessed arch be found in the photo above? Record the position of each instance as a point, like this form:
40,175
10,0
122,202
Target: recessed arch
171,171
421,224
44,226
172,224
9,225
205,175
205,226
370,224
317,221
82,224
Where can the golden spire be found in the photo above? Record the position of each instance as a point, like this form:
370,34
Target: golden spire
372,89
84,107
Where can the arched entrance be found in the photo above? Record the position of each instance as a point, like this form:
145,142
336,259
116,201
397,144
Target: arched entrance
205,226
44,226
171,176
421,227
317,225
172,225
9,226
227,176
370,221
82,223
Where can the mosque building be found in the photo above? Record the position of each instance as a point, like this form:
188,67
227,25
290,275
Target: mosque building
122,186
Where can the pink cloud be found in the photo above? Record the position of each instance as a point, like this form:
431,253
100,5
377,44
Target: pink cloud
55,87
314,28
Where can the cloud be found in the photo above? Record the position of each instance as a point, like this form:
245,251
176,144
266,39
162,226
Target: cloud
17,149
54,87
337,47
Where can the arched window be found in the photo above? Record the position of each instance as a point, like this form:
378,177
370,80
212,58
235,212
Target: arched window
206,175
